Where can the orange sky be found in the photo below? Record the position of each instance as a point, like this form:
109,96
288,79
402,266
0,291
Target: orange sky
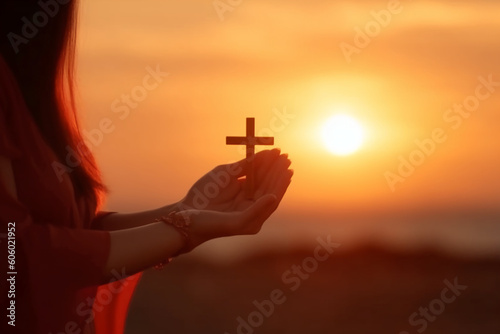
285,56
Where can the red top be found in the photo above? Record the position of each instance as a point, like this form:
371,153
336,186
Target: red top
59,259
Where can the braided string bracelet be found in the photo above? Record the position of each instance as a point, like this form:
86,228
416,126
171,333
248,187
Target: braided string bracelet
181,223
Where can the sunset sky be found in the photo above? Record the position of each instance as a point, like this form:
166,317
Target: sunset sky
270,58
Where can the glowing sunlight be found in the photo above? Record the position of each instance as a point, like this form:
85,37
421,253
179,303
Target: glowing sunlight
342,135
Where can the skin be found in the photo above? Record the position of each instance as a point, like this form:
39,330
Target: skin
137,242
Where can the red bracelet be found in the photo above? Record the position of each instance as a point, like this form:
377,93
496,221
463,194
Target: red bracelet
181,223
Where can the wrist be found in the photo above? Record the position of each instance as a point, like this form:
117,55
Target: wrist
167,209
181,224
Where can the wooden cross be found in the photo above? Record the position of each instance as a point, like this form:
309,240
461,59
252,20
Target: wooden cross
250,141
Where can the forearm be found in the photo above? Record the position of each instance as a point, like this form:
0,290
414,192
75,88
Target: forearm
121,221
135,249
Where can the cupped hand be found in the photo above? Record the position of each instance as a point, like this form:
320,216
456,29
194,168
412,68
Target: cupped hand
217,204
222,189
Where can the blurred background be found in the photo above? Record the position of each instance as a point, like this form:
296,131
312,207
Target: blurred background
406,222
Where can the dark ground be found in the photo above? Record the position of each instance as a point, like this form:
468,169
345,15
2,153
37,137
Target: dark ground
369,290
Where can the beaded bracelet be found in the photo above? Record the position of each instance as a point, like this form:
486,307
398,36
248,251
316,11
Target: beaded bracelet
181,223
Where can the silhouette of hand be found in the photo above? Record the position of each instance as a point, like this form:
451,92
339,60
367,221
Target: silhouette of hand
217,203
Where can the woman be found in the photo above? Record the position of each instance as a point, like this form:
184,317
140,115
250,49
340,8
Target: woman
61,248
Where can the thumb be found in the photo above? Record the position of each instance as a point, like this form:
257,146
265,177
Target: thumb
262,205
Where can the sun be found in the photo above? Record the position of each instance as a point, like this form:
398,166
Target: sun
342,135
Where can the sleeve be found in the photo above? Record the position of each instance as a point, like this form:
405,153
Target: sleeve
46,252
54,268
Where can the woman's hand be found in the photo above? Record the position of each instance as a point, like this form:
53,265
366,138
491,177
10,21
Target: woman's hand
217,205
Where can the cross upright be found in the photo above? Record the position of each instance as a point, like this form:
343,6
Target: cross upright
250,141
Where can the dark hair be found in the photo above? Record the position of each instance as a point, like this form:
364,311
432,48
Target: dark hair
38,42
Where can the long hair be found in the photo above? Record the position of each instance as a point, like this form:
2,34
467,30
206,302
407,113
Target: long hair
38,41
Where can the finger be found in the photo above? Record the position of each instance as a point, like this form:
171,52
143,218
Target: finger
261,159
263,164
268,181
282,184
279,183
263,206
280,191
270,164
266,171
